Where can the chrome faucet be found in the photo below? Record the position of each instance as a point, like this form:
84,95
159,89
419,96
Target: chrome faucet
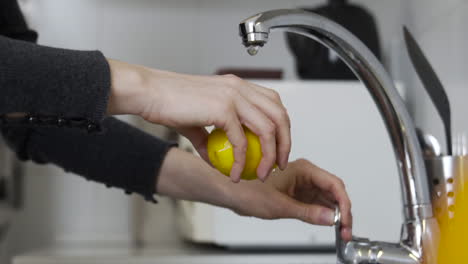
419,231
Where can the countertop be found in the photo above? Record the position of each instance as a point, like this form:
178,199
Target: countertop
168,254
162,245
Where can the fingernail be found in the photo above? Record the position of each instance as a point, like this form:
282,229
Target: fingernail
285,163
327,217
262,177
234,172
280,166
347,233
234,178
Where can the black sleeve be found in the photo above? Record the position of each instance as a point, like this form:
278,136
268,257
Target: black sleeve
122,156
52,86
64,94
50,83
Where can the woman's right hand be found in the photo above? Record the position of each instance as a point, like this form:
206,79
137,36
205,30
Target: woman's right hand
189,103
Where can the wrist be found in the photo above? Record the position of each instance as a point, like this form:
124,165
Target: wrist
127,88
184,176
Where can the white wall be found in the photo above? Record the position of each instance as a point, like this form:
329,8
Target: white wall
192,36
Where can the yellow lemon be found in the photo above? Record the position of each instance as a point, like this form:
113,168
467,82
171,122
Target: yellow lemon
221,153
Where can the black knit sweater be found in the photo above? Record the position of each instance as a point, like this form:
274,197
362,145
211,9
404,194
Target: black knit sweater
64,94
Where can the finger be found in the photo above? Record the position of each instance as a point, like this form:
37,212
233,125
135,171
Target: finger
312,213
236,136
326,202
264,128
273,95
331,183
330,197
270,93
277,113
346,233
199,137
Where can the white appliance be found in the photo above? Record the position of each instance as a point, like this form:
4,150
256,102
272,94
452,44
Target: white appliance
337,126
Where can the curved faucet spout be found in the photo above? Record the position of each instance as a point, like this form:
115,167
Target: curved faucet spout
417,207
255,33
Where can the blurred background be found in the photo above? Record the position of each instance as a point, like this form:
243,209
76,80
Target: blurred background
56,211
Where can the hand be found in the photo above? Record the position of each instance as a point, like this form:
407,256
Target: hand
303,191
189,103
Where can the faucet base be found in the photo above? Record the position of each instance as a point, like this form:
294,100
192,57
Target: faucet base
418,211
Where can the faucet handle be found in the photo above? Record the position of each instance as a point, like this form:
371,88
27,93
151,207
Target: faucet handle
339,243
364,251
342,246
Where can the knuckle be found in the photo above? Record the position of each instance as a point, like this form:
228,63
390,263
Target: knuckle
239,162
240,146
276,95
341,182
283,118
300,164
309,214
230,76
225,107
302,161
284,115
232,79
269,130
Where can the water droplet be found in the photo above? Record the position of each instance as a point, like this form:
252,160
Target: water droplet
253,50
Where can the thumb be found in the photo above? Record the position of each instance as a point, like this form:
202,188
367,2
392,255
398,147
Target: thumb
199,137
312,213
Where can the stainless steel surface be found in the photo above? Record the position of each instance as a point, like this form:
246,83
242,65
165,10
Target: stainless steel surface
429,144
361,250
432,84
415,189
415,236
433,145
445,172
460,144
